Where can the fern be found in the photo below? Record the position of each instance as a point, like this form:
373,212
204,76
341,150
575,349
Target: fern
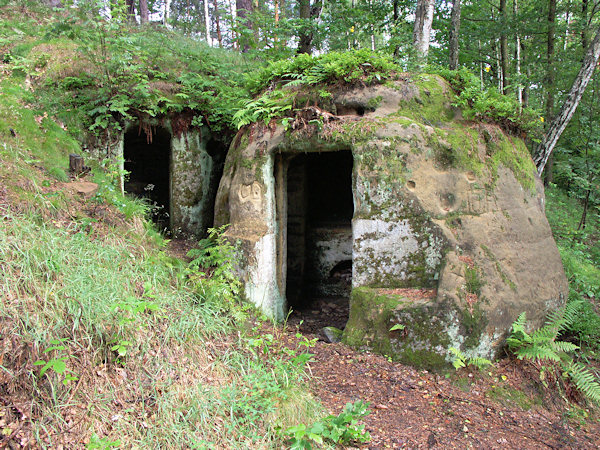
461,360
584,380
542,344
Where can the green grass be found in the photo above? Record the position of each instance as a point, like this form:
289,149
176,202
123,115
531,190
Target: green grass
151,353
580,252
191,371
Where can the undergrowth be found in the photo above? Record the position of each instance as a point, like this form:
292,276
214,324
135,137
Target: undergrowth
580,252
489,105
105,340
94,75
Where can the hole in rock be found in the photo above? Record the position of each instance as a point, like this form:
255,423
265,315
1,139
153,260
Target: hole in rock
318,226
352,109
148,161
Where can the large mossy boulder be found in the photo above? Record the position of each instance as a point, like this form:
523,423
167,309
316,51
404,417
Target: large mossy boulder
450,242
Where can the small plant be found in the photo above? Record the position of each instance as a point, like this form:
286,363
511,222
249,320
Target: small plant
102,443
212,271
461,360
121,346
58,363
341,429
132,307
542,344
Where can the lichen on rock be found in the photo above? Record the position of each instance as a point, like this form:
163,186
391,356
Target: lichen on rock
439,203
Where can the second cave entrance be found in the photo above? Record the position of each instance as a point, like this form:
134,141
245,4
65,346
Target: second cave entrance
315,209
148,162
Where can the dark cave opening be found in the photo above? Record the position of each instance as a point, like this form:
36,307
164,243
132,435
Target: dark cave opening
148,163
318,227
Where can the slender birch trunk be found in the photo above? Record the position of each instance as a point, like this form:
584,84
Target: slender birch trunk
504,45
560,122
422,28
518,57
207,23
218,24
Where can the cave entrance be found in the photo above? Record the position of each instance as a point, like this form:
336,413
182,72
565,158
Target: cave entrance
148,161
316,203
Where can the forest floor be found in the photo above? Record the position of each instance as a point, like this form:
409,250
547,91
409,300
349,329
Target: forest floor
505,406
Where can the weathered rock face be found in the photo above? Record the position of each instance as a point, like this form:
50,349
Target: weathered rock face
448,233
178,170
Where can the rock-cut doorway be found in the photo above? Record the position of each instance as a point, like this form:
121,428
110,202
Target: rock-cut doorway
148,163
315,209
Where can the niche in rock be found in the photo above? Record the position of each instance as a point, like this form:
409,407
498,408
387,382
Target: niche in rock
318,227
148,161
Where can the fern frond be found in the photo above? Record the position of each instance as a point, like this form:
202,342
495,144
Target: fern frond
585,381
572,311
562,346
459,358
556,318
537,352
480,363
544,335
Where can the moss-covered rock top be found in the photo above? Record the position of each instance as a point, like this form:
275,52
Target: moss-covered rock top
94,75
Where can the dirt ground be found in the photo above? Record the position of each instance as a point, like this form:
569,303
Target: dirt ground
502,407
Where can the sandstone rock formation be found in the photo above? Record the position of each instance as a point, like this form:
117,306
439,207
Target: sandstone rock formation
445,233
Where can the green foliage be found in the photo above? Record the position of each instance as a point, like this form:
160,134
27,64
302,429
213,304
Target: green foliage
580,251
95,74
542,344
488,105
344,68
57,363
334,68
585,380
265,108
473,282
98,443
212,269
342,429
461,360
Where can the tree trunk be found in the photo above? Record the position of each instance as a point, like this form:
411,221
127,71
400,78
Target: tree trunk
130,10
550,79
518,56
243,9
304,38
567,25
396,17
207,23
422,29
218,23
528,77
454,30
504,45
586,203
309,14
144,14
584,25
560,122
166,15
233,12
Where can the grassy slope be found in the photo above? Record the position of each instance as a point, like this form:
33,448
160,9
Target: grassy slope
141,348
189,374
